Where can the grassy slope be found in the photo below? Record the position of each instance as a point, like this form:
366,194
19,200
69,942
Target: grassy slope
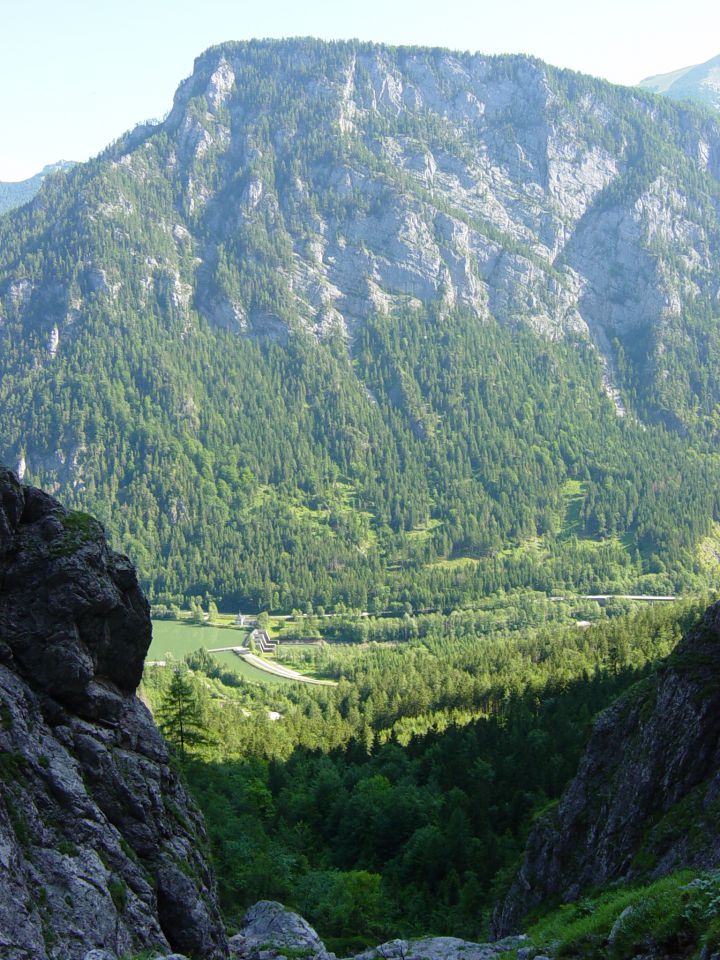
675,916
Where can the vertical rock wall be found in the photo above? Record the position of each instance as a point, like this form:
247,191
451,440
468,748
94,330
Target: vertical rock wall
100,846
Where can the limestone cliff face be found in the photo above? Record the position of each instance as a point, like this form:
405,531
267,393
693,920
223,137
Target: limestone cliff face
646,798
395,177
99,844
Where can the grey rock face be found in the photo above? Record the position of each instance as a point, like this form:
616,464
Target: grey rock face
512,206
269,929
104,955
503,209
646,797
100,847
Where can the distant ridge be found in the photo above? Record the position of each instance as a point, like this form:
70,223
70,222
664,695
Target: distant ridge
15,193
700,83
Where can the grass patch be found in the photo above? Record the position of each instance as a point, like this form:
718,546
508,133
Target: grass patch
172,639
708,550
424,532
67,849
117,888
6,720
453,563
18,823
573,494
674,915
78,529
12,766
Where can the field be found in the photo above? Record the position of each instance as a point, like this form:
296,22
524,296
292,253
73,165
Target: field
172,639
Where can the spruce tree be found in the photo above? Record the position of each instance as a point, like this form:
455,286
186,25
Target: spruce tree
180,716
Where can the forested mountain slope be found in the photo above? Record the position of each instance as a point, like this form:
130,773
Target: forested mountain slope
361,323
700,82
15,194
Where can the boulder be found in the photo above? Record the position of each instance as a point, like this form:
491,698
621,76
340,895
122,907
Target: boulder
270,930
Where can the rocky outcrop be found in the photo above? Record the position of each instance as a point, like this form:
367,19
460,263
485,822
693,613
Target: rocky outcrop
441,948
270,932
100,846
646,798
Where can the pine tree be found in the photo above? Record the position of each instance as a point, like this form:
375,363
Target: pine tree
180,716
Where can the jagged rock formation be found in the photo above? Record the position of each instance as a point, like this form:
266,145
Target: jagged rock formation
270,930
99,844
646,798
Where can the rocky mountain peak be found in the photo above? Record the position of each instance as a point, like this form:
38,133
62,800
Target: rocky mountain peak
396,176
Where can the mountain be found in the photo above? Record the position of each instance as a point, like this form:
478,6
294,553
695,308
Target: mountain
366,324
645,798
15,194
700,83
100,844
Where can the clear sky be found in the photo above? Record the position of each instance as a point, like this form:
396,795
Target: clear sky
75,74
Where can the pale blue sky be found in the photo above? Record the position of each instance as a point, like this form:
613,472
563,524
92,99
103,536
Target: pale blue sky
74,74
